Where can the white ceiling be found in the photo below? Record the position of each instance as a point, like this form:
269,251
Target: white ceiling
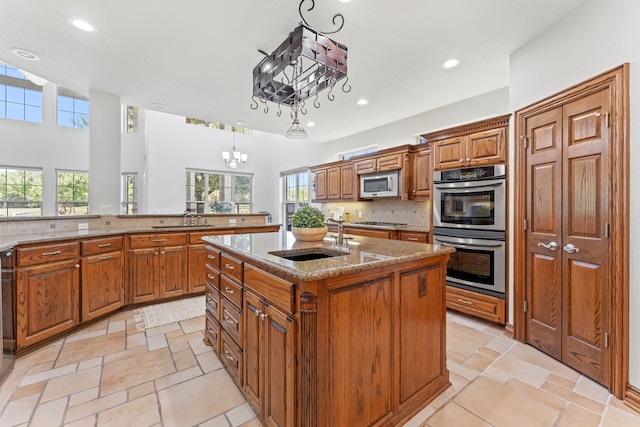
196,57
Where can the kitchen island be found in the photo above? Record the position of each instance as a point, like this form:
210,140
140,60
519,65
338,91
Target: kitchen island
320,336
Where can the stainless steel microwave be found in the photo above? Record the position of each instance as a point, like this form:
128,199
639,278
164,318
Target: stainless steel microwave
381,184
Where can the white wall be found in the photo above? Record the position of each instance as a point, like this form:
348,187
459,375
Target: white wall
597,37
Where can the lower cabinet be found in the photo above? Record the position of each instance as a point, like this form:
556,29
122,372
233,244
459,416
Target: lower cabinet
47,291
476,304
269,356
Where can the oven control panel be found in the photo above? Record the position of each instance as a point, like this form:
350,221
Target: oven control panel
471,174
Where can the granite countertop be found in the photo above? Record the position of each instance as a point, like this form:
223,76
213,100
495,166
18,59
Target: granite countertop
9,241
365,253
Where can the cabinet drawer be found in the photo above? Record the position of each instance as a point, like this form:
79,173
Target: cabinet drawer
157,239
213,277
412,236
475,304
231,320
213,258
213,302
231,267
273,289
231,356
99,246
365,166
390,162
46,253
368,232
231,290
212,332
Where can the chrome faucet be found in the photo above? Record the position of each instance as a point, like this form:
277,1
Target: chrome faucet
340,242
188,219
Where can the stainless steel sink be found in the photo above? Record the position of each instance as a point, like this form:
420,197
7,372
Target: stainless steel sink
308,254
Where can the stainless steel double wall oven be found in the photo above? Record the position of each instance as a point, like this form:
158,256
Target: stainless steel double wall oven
469,214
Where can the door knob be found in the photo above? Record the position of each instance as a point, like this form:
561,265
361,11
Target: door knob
570,249
552,246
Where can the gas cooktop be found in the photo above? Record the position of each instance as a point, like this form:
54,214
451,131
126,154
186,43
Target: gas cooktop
383,224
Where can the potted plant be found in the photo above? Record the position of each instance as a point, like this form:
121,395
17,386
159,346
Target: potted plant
307,224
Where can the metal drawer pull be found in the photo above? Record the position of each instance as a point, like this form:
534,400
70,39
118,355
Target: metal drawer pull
465,301
52,253
104,245
570,249
228,290
159,240
211,256
229,266
229,320
210,276
105,257
228,355
552,246
412,238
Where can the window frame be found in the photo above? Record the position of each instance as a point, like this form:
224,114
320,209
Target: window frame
5,202
17,81
228,204
75,203
76,120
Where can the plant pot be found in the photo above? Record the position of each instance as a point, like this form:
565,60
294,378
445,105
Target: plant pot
309,234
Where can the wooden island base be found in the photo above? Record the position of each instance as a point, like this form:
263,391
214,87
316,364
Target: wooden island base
334,346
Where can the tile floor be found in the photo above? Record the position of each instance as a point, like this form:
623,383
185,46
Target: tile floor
111,374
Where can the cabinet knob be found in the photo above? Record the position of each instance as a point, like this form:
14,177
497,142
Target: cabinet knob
77,266
228,290
211,256
229,266
263,316
210,276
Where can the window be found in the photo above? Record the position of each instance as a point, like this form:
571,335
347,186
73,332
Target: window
129,119
129,195
20,192
359,152
20,99
215,192
72,192
73,109
296,192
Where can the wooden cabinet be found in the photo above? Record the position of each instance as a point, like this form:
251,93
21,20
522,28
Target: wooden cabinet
269,346
102,274
335,182
157,266
379,164
393,234
47,290
370,232
476,149
421,177
476,304
413,236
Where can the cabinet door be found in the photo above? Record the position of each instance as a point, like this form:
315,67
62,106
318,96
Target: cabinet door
321,184
102,284
365,166
422,323
47,300
197,268
173,271
143,275
253,350
347,182
368,232
450,153
333,183
279,372
389,163
422,176
485,148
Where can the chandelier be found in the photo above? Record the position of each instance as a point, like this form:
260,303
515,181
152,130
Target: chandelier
305,63
234,159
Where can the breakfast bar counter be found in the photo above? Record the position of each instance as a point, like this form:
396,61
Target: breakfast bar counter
316,335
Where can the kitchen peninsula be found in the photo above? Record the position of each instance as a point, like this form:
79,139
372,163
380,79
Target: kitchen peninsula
318,336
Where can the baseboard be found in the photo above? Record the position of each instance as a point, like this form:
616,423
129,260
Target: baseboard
632,397
509,331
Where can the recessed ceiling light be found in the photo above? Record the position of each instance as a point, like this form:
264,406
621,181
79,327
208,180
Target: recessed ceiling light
81,24
311,124
158,106
344,1
451,63
24,54
362,101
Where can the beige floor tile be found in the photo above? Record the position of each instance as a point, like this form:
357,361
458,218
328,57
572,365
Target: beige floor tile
215,388
421,417
185,337
19,411
454,415
141,390
537,394
620,405
463,371
84,335
136,351
117,326
49,414
156,342
591,389
577,416
136,340
574,397
500,344
84,396
466,340
454,356
198,346
522,370
47,375
95,406
70,384
76,351
29,390
536,357
252,423
616,418
219,421
89,421
135,370
500,405
209,361
184,359
561,381
486,351
141,412
86,364
43,355
478,362
177,378
240,414
161,330
192,325
177,348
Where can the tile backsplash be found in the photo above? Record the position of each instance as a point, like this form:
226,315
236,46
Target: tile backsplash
384,210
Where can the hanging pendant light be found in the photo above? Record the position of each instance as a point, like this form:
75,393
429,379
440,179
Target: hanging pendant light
234,159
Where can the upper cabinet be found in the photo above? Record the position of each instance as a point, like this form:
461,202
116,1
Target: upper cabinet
382,163
335,181
478,144
421,177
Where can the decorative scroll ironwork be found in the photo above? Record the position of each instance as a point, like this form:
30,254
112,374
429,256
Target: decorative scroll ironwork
337,16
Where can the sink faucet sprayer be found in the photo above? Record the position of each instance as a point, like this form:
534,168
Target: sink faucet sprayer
340,242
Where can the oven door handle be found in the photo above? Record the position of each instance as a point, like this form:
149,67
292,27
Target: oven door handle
456,186
463,246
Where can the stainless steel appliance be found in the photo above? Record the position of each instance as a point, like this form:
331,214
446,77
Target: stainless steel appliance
479,261
380,184
471,198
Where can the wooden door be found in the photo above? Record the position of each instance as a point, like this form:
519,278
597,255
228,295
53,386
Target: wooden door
421,175
197,268
486,148
333,183
321,184
347,182
253,351
102,284
143,275
173,266
567,293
